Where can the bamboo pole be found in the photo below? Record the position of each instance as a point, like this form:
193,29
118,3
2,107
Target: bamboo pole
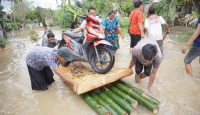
96,106
151,106
123,95
114,106
148,97
103,103
122,103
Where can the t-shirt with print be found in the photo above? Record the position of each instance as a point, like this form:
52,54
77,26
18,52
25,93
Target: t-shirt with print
197,41
137,52
154,28
85,22
134,20
40,57
47,31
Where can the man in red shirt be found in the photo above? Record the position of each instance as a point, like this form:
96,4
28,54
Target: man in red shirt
136,24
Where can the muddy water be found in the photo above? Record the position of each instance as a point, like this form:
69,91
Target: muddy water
179,93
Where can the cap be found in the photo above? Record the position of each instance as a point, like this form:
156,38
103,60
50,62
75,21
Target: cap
64,52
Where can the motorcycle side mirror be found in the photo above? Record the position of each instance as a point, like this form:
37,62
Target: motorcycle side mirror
79,4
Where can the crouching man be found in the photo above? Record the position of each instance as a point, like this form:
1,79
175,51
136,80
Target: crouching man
145,55
41,61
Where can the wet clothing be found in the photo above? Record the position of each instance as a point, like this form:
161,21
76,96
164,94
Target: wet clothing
135,17
137,52
139,68
192,54
194,50
134,40
40,57
45,42
40,61
111,32
197,41
40,79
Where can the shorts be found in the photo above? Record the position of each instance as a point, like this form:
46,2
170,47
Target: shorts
192,54
40,79
134,40
160,43
139,68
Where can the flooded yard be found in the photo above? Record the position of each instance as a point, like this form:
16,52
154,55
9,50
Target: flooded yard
178,92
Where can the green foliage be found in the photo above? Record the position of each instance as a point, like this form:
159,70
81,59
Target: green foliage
195,14
185,35
51,25
124,22
11,26
29,21
34,35
127,7
3,41
64,16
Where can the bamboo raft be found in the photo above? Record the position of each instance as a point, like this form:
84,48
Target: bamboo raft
87,80
115,96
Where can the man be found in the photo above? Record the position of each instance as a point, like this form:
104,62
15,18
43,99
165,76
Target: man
46,30
136,24
49,41
92,12
194,50
41,60
153,25
145,55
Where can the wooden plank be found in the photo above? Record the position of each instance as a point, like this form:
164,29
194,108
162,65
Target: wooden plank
87,79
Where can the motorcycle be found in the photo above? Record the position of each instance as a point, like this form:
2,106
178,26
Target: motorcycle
93,50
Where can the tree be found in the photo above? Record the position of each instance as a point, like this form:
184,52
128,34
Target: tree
20,10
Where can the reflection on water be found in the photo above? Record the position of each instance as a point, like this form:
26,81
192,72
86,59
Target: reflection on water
178,92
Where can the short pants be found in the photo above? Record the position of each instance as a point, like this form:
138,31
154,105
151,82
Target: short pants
160,43
192,54
40,79
139,68
134,40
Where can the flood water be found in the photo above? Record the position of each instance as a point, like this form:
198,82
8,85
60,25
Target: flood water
178,92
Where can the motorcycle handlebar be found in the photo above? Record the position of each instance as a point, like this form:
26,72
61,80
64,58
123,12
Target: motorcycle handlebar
82,16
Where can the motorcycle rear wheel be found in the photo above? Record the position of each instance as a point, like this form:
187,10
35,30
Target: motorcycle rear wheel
107,60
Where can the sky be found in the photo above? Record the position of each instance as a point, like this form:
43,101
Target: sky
42,3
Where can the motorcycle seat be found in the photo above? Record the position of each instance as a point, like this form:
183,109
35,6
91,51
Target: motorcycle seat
74,35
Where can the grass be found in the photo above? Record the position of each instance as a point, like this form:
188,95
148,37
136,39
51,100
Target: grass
185,36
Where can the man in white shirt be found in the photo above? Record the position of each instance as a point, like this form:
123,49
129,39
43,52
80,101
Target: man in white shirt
154,28
92,12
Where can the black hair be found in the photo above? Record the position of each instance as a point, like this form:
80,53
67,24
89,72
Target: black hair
111,11
91,8
50,35
44,25
151,10
149,51
137,3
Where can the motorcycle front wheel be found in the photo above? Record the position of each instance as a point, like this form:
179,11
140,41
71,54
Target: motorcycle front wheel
105,62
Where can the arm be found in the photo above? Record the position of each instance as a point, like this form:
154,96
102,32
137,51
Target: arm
65,78
44,34
141,29
151,80
77,30
104,28
132,63
167,28
194,36
120,30
145,29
